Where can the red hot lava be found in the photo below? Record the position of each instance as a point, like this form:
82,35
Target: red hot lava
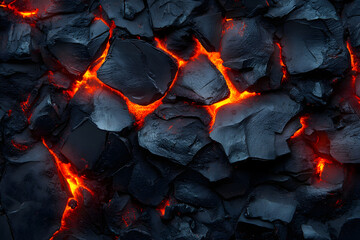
75,184
25,14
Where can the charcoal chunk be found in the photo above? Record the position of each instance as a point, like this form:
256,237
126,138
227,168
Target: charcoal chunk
344,142
167,13
315,231
250,129
212,163
31,193
208,29
130,15
200,82
73,43
110,112
314,34
271,204
181,43
84,145
147,185
246,48
137,69
195,194
351,15
178,139
15,42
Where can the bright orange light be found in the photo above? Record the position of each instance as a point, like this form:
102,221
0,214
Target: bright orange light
17,12
321,162
303,122
283,66
75,185
161,209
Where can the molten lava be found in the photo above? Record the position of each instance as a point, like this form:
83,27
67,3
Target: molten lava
74,183
321,163
304,125
23,14
283,66
161,209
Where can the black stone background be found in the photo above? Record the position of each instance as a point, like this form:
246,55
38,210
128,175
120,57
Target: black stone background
244,178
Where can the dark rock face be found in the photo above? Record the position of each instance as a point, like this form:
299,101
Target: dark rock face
174,138
138,70
179,120
261,121
200,82
31,193
75,41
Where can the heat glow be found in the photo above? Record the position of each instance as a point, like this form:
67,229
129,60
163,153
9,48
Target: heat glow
304,125
321,162
75,184
23,14
283,66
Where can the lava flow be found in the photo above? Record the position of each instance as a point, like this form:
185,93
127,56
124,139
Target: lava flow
321,162
75,185
23,14
283,66
355,67
304,125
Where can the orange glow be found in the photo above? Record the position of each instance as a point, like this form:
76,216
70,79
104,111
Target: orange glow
75,184
25,105
283,66
17,12
321,162
91,82
19,146
304,125
355,67
161,209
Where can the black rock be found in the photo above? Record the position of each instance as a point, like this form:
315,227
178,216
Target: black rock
31,192
196,194
314,33
84,145
212,163
181,43
246,48
110,112
315,231
253,127
138,70
15,42
344,142
200,82
178,139
130,15
351,15
208,29
168,13
147,185
75,41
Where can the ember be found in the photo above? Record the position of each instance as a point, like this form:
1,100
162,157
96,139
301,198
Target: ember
168,119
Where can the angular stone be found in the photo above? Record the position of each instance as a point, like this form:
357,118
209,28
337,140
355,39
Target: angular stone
73,43
250,129
84,145
130,15
344,142
147,185
138,70
200,82
31,193
110,112
246,48
212,163
167,13
178,139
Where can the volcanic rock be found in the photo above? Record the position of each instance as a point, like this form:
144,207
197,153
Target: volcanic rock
75,41
252,128
31,192
178,139
246,48
200,82
167,13
138,70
